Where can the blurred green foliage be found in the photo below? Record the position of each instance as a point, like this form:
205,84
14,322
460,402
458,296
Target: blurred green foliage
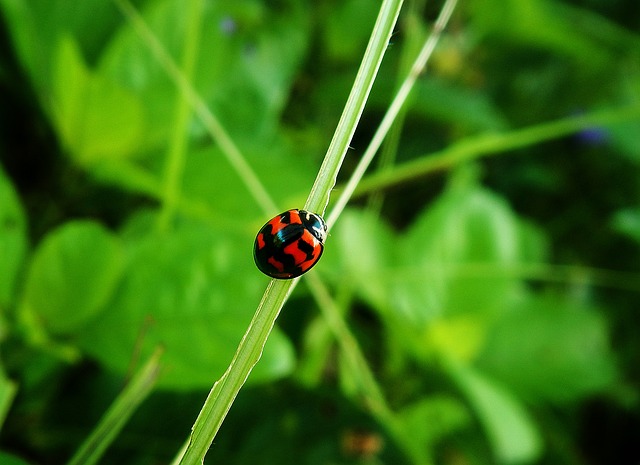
496,303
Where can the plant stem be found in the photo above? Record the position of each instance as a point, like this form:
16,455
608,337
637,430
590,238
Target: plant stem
413,38
177,152
325,181
394,109
226,389
215,129
486,145
118,413
250,348
369,389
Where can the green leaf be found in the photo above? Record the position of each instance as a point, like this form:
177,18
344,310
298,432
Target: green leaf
347,28
462,107
362,235
543,24
96,118
549,349
247,58
209,178
8,390
431,419
8,459
624,136
36,26
511,431
13,240
72,275
627,222
456,255
191,291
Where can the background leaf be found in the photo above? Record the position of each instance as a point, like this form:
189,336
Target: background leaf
192,293
96,118
72,276
511,430
8,459
13,240
549,349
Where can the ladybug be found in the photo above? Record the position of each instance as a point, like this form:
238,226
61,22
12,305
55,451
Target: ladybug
290,244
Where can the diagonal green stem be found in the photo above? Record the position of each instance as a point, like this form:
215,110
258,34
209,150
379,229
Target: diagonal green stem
249,350
325,181
413,38
395,107
487,145
179,138
118,413
228,148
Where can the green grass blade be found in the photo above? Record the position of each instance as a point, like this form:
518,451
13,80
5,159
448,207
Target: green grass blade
118,413
178,144
248,353
486,145
210,122
395,107
326,179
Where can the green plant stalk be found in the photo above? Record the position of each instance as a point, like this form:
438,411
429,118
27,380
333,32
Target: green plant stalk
225,390
8,390
545,272
325,181
413,37
119,413
209,120
319,339
486,145
395,107
179,138
372,395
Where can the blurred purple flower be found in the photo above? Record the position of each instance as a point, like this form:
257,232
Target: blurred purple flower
228,25
596,135
593,136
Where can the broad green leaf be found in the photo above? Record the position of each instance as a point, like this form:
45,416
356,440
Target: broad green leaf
457,270
548,349
627,221
193,291
460,337
97,119
510,429
13,240
212,189
360,250
37,25
459,106
209,178
539,23
246,63
8,391
72,274
8,459
346,30
431,419
623,135
455,258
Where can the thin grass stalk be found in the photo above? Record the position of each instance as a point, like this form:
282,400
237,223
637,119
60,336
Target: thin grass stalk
117,415
210,122
250,348
395,107
487,145
178,144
